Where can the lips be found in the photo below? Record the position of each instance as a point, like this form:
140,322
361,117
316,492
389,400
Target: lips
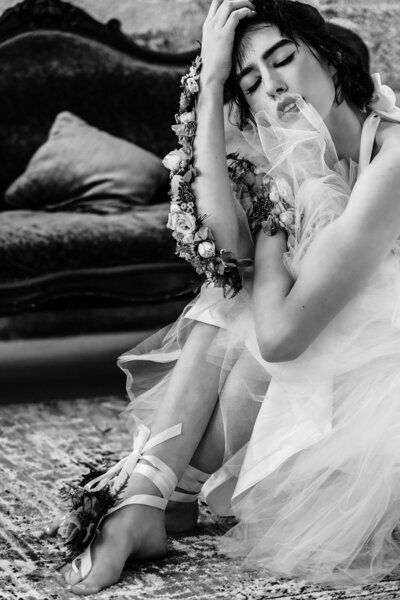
287,106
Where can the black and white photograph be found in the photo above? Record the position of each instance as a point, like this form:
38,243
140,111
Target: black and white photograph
200,299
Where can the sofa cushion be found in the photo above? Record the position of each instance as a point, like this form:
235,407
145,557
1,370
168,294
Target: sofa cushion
80,163
45,70
37,243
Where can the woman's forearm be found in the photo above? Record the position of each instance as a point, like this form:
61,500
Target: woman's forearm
212,186
272,284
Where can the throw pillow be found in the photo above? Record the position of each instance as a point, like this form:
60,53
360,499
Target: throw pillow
81,162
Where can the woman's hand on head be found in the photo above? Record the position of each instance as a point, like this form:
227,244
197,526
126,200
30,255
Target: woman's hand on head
218,37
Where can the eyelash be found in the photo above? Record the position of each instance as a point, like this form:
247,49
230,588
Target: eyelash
284,62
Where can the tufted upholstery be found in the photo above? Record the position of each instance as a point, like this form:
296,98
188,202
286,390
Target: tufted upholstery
55,57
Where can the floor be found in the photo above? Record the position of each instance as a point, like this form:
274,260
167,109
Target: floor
56,368
45,444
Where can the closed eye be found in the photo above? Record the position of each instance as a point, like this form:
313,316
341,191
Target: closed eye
253,87
285,61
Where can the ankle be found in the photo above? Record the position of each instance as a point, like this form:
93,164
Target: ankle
139,484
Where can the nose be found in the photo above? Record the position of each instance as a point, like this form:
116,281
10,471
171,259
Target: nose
274,87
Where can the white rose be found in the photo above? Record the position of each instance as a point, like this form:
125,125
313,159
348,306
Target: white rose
175,160
206,249
181,222
192,85
174,207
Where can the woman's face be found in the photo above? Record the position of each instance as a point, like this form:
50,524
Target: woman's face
274,70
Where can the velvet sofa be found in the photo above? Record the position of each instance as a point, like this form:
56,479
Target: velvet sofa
87,265
85,118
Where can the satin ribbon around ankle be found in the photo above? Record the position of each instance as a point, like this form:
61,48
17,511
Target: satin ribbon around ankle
118,474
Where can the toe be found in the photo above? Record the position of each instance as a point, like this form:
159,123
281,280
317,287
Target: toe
53,527
65,571
70,576
83,589
93,584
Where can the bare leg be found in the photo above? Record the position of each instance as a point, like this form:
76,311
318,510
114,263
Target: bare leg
208,458
209,454
241,413
191,399
140,530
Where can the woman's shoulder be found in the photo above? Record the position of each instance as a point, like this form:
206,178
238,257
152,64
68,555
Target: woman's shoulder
384,151
387,137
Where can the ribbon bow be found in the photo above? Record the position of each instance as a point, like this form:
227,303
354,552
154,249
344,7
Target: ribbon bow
120,472
384,99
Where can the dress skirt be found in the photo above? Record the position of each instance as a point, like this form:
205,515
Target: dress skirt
316,490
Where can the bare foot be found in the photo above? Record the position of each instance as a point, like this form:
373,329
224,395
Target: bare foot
134,531
181,516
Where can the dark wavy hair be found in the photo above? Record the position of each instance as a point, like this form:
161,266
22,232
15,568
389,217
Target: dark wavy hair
301,22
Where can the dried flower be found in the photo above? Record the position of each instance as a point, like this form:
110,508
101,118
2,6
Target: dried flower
88,507
284,189
187,117
176,182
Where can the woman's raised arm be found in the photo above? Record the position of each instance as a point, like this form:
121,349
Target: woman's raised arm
212,186
339,261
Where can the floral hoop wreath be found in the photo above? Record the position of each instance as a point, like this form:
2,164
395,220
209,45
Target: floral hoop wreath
267,202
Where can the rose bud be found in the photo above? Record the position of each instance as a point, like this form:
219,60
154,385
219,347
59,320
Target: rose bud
206,249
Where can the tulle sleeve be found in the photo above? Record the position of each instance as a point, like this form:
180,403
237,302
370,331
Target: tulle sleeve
302,153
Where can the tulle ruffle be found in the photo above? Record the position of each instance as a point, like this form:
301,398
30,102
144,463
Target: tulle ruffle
316,489
318,495
149,366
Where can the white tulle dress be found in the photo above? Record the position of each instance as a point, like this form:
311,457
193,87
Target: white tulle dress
316,491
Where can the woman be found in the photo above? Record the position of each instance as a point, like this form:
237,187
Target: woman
318,492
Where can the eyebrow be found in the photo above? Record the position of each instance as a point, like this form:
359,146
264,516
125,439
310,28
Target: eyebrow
264,56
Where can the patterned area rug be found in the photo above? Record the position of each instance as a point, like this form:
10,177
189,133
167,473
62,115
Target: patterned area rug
42,445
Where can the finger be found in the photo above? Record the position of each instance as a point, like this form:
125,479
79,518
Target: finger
214,6
235,17
54,526
231,6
